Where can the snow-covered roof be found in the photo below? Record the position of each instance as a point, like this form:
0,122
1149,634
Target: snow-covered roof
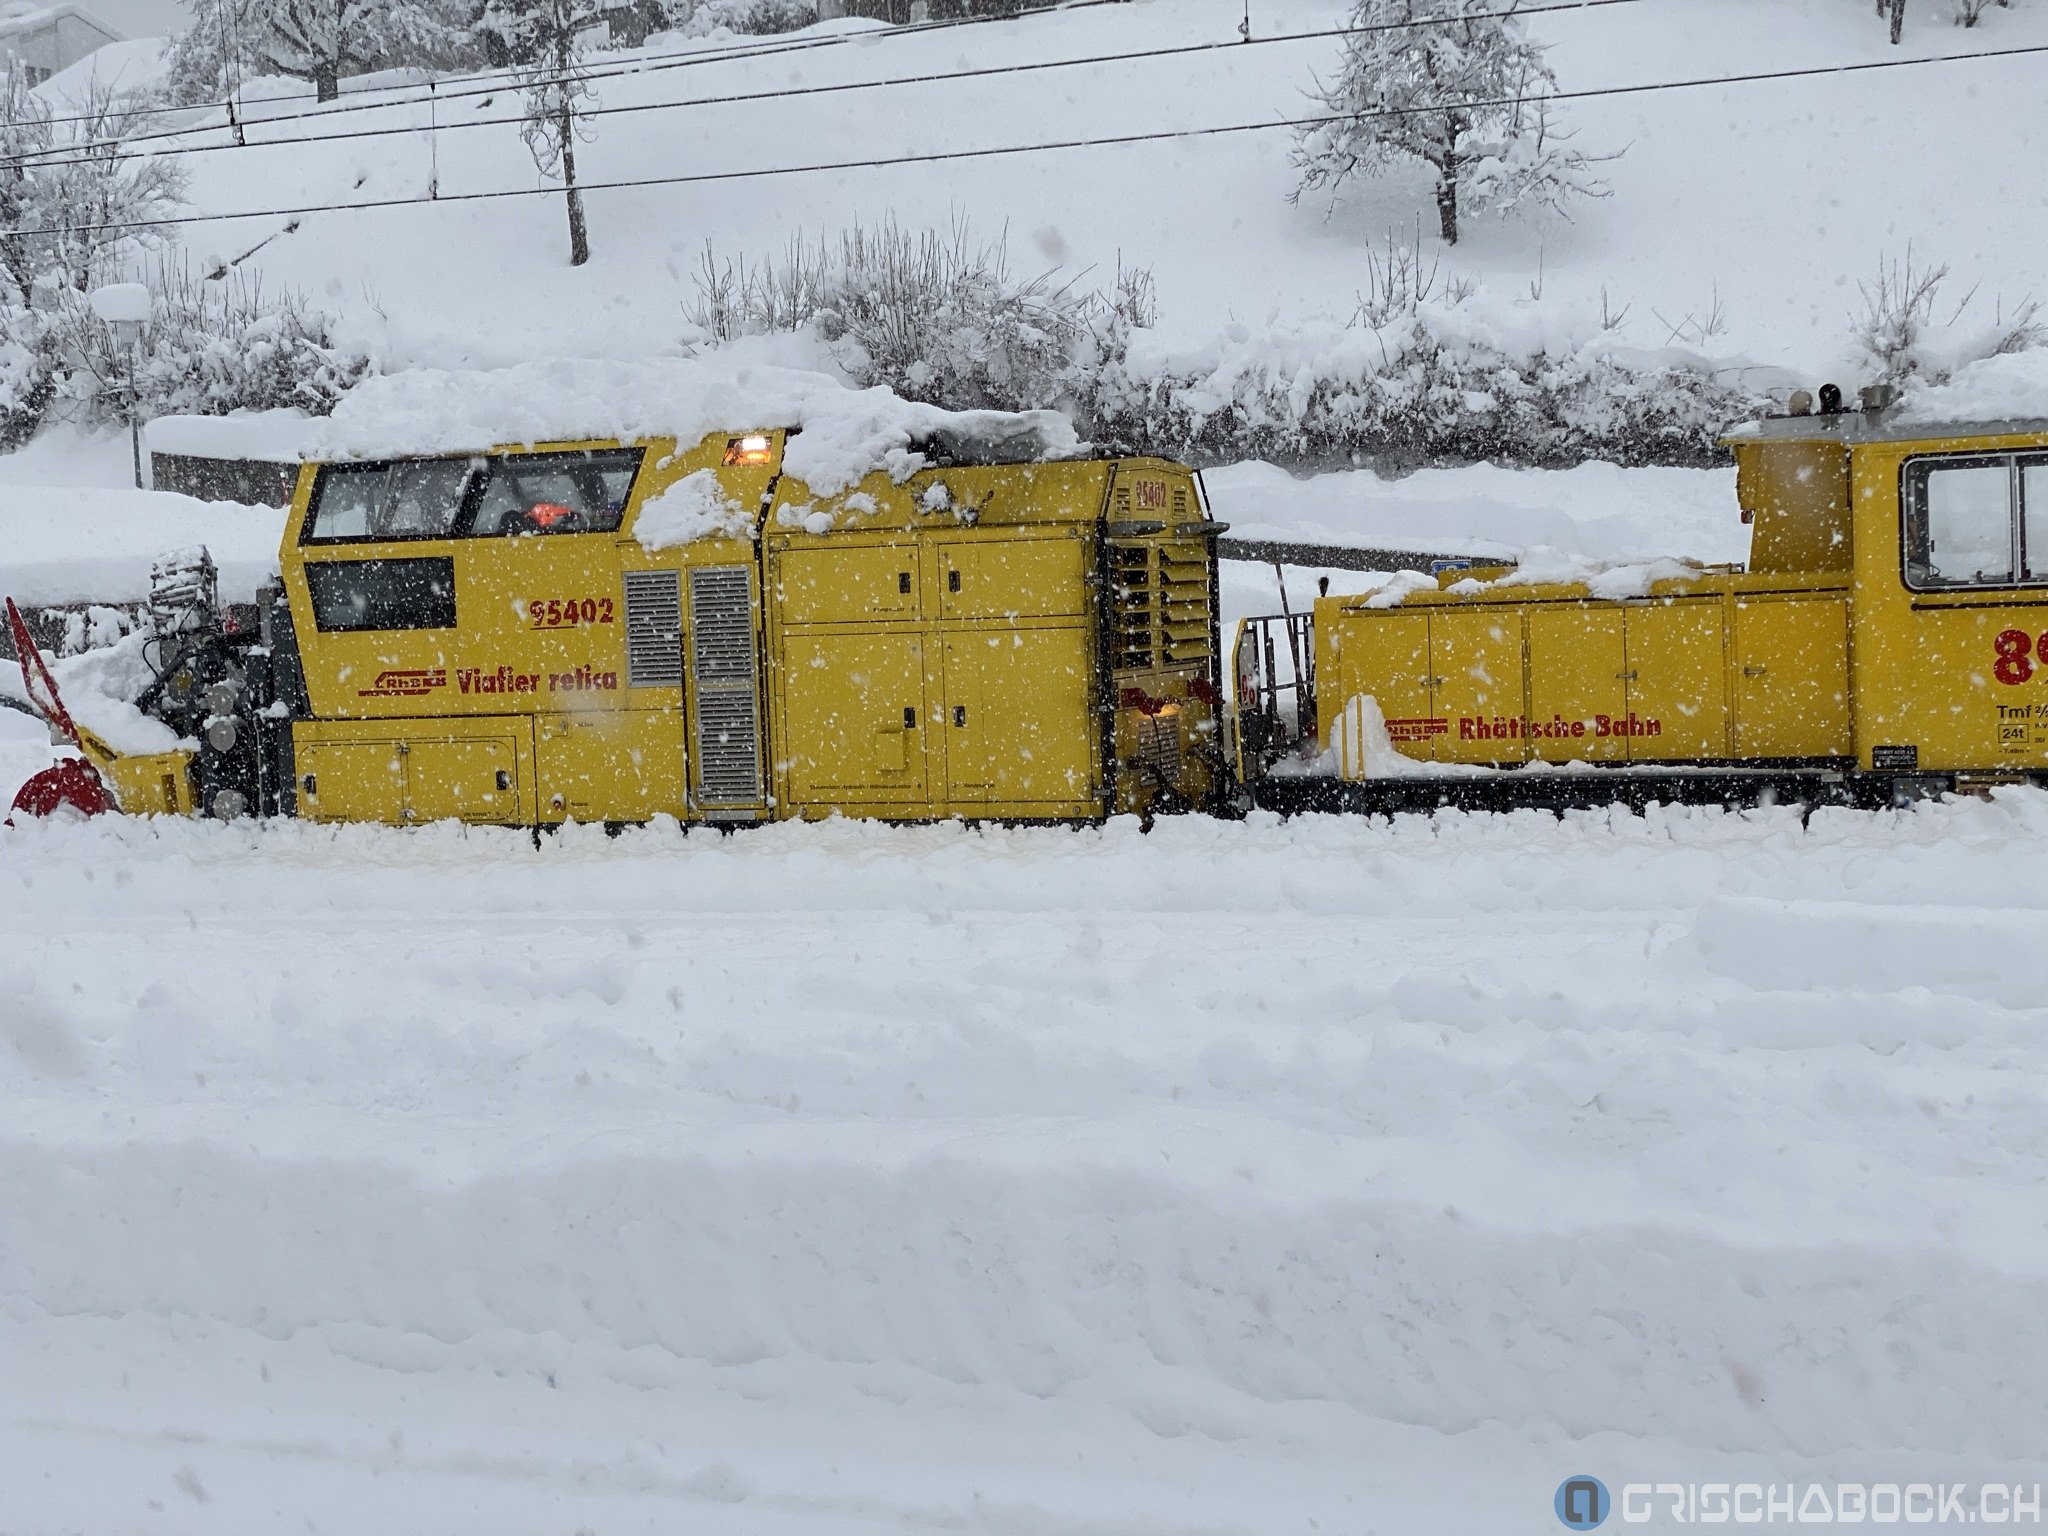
840,433
1879,427
18,18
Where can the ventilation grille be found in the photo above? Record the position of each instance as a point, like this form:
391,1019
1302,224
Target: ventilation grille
722,647
654,629
1159,748
1131,591
728,768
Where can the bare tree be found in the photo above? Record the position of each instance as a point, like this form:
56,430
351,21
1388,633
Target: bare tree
547,40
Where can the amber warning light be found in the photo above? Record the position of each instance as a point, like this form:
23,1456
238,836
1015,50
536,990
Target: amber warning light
752,449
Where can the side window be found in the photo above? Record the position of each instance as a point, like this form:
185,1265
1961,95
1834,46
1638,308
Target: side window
543,493
1969,524
353,595
410,499
1976,521
2034,518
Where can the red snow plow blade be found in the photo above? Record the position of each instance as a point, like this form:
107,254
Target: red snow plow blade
74,782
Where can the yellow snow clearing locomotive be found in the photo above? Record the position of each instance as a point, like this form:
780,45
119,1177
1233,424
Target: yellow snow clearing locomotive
609,631
1888,637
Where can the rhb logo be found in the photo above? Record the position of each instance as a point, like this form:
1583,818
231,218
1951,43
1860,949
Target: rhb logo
405,683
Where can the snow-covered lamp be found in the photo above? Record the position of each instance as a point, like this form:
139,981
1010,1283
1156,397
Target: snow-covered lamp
126,308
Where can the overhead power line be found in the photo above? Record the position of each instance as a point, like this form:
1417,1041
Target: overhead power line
1104,141
434,97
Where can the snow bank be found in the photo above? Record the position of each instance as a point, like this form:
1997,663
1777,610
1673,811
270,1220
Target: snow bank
1599,511
2007,388
844,433
74,544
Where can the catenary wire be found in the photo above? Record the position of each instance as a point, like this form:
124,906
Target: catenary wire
1104,141
72,153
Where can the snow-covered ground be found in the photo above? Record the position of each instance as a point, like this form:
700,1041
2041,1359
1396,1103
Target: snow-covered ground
1331,1175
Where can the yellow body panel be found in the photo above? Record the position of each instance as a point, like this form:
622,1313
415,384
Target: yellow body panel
406,772
143,784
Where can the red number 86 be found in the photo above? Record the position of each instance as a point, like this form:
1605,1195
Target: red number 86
2015,665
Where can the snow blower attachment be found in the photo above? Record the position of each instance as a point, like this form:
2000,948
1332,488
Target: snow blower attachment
211,686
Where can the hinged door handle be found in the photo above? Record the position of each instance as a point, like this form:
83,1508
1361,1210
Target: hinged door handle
910,719
959,714
952,581
1625,677
312,783
1754,671
504,779
903,582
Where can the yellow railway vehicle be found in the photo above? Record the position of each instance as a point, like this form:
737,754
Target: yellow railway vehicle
1888,638
608,631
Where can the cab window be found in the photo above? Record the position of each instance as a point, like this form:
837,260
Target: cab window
408,499
1976,521
541,493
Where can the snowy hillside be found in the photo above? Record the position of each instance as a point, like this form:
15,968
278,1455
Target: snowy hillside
1769,200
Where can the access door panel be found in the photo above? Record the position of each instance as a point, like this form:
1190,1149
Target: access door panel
617,765
462,778
1576,688
1475,662
990,578
848,583
349,780
1792,678
1384,656
1017,719
854,717
1678,682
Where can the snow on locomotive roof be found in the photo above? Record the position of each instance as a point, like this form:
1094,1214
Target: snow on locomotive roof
1891,426
841,433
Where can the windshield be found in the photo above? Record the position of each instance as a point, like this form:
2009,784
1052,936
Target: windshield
498,496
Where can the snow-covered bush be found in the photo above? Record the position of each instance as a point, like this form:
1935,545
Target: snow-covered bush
698,18
70,202
210,347
937,317
1909,335
1400,95
1426,371
1438,383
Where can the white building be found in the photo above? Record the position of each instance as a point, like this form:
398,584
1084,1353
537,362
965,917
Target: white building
48,38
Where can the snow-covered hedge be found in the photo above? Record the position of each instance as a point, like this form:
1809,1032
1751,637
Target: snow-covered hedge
1417,376
1433,386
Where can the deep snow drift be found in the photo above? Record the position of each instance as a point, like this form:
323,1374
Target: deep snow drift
841,1178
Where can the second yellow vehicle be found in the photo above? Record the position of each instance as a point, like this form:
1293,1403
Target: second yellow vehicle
1888,637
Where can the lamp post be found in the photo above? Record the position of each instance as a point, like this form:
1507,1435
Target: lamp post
125,307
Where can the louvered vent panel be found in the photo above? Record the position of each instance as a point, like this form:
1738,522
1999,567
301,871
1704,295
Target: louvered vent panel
728,766
1131,587
724,630
722,646
654,629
